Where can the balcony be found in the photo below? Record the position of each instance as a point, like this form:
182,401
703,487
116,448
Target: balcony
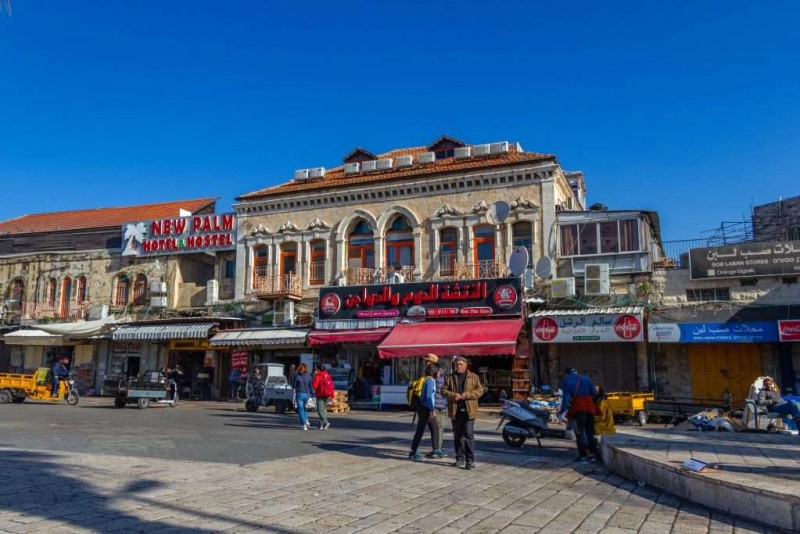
480,269
277,287
15,312
316,275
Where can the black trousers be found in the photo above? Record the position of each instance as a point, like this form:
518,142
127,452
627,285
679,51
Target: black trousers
424,420
464,437
584,433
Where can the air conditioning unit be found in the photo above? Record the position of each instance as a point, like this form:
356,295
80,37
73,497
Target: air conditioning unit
426,157
316,172
481,150
384,164
158,302
463,152
367,166
212,292
596,279
562,287
301,174
352,168
98,312
283,313
405,161
157,288
499,148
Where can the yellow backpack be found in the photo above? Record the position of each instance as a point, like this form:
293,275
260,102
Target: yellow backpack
414,391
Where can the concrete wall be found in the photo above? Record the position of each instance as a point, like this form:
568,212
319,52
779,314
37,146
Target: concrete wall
670,286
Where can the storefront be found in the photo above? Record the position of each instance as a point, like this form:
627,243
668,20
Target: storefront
605,343
789,336
712,360
470,318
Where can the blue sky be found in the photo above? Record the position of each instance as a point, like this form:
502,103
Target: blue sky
688,108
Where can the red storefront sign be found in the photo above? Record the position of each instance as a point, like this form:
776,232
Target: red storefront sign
789,330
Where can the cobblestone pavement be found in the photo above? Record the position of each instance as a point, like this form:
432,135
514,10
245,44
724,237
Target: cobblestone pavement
372,489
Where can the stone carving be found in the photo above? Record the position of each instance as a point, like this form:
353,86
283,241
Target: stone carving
480,207
520,203
317,223
260,230
446,211
288,226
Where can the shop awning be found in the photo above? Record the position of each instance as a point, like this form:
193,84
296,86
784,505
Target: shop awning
260,336
162,332
468,338
326,337
33,336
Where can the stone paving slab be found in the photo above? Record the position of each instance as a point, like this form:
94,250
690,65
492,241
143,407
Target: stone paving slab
371,489
752,475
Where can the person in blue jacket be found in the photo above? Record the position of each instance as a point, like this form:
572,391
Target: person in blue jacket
58,372
426,412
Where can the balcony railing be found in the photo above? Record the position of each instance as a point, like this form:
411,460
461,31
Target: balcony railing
447,262
363,276
37,311
480,269
316,276
278,286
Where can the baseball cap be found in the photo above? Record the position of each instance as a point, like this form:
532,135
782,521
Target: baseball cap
430,357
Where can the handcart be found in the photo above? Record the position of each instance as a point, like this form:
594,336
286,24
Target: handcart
626,405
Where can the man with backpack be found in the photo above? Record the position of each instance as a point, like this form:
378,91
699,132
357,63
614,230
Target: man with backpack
422,400
324,391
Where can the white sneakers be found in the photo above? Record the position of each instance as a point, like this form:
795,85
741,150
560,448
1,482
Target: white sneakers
305,426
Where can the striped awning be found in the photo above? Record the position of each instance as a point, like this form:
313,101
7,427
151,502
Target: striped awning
260,336
162,332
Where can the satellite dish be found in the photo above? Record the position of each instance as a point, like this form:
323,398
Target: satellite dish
498,212
544,267
518,261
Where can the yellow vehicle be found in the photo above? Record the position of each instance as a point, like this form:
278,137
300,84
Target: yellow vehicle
18,387
627,405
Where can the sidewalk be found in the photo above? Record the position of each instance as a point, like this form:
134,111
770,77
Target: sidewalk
754,476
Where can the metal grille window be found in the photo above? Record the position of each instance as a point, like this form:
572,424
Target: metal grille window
122,290
708,295
140,290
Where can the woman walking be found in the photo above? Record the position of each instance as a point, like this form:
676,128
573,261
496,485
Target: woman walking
426,413
302,392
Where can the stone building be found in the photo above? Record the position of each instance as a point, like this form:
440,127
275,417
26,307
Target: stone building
777,220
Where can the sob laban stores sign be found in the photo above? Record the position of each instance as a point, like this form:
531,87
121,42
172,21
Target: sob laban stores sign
774,258
491,297
595,328
179,235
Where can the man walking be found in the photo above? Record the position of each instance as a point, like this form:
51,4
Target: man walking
462,391
578,399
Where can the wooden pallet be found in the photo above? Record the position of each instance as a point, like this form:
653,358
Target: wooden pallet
339,408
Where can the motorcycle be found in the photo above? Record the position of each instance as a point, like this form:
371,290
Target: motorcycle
524,422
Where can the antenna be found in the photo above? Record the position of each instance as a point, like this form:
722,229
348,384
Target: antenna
498,212
518,261
544,268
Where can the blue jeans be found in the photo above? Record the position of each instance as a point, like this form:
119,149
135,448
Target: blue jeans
788,407
302,399
54,386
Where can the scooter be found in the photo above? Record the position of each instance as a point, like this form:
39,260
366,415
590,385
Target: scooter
524,422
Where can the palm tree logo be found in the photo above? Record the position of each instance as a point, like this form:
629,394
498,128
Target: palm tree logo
134,233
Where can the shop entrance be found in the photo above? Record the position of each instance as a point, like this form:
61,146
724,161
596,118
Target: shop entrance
610,365
718,367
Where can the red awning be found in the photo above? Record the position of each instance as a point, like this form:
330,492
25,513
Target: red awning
326,337
468,338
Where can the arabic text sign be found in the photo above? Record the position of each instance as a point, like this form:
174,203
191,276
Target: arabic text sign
712,332
745,260
459,299
587,328
197,233
789,330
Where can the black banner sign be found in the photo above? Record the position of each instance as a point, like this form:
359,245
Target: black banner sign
457,299
779,258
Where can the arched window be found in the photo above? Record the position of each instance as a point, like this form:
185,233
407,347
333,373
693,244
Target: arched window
289,258
523,237
80,290
316,275
122,290
361,247
140,290
50,297
448,251
483,248
399,244
66,294
259,263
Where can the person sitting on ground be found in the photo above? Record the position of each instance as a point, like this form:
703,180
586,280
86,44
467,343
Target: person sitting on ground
770,397
58,372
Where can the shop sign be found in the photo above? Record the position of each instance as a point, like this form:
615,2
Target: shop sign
587,328
178,235
745,260
491,297
789,330
712,332
189,344
239,360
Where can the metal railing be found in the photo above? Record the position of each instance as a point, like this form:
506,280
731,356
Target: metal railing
447,263
37,311
385,275
480,269
286,285
316,275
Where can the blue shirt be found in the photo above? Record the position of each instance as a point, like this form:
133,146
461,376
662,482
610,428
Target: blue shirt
302,384
60,370
428,397
575,385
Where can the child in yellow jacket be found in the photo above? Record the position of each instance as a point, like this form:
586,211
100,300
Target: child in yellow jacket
604,417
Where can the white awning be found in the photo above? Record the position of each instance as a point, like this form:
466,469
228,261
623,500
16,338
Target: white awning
260,336
33,336
608,310
82,329
162,332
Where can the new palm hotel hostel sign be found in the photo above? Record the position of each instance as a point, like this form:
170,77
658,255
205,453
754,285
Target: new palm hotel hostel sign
776,258
497,297
196,233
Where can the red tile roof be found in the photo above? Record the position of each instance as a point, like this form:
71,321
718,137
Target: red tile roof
99,217
335,178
